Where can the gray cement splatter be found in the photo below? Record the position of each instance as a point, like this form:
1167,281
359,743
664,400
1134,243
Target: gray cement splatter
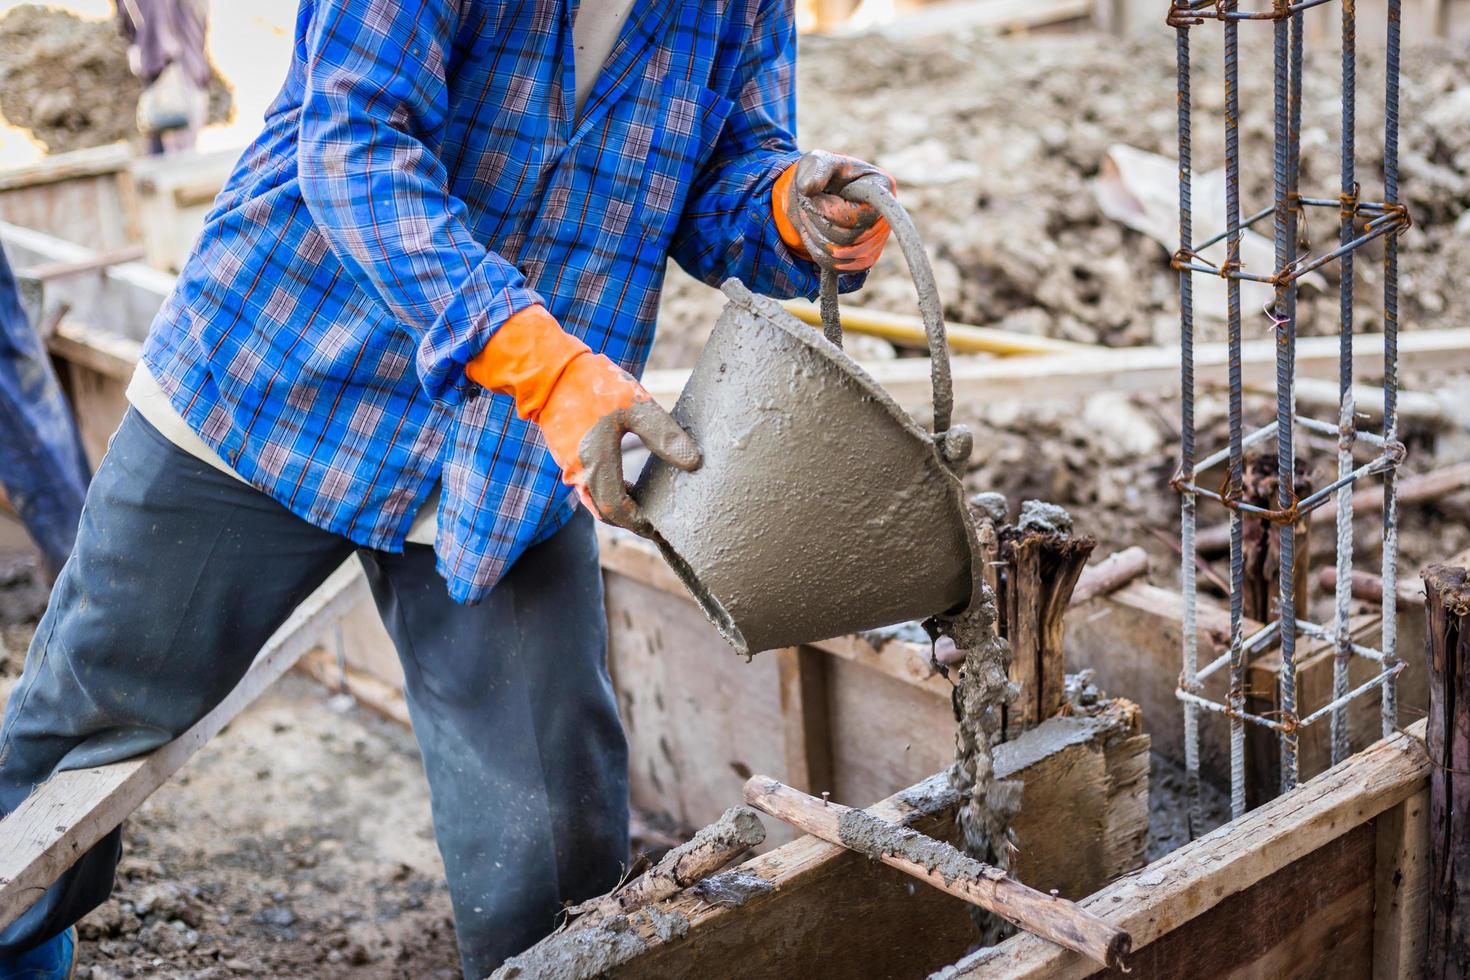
992,505
876,838
1038,515
908,632
732,889
578,955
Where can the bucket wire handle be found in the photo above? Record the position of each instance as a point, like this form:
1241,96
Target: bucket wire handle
873,191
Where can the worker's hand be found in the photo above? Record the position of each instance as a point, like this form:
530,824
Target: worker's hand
583,404
811,216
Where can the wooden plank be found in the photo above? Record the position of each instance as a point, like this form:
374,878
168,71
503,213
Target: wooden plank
981,885
1314,668
112,158
108,354
1203,873
1125,832
1313,918
367,689
1133,641
122,301
1448,591
699,719
69,813
805,727
1069,376
1401,890
1023,598
884,733
96,262
98,403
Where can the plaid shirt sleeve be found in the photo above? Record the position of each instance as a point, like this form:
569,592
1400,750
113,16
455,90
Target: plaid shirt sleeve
374,105
728,228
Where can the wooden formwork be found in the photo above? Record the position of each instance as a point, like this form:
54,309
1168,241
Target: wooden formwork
1328,881
858,720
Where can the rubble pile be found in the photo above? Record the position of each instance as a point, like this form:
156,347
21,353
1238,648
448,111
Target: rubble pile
995,144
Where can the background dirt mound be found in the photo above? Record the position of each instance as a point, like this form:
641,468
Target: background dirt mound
995,144
67,80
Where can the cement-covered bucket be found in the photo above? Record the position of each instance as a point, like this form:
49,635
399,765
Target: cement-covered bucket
821,507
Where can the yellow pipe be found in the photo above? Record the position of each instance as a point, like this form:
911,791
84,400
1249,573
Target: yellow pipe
908,331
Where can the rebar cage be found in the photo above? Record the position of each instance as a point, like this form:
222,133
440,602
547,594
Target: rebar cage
1360,222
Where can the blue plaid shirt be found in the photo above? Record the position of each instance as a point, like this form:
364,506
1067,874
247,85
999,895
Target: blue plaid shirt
421,177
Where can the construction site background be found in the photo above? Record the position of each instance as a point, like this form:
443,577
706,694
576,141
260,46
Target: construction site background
997,144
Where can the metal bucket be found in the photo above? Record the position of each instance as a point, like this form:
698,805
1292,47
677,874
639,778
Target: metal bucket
821,507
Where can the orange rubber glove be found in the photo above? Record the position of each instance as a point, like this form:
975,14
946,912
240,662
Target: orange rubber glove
809,211
583,403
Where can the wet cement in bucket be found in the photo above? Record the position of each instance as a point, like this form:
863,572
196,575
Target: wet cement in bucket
821,508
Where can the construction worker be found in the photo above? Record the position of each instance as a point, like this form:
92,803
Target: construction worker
166,50
409,331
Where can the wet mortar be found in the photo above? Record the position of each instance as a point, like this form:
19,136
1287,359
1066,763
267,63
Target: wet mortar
877,838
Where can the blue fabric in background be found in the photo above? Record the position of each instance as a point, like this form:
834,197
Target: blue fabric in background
42,465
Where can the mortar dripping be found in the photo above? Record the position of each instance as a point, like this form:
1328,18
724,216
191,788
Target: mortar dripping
981,691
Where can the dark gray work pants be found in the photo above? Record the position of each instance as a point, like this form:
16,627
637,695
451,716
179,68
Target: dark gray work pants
181,573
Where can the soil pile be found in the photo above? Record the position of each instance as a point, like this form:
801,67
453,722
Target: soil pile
67,80
995,144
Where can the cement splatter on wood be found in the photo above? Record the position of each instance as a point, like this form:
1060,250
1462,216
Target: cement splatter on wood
667,926
732,889
1038,515
980,695
875,838
992,505
581,955
715,846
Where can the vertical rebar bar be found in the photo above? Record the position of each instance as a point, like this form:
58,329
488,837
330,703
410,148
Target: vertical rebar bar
1346,422
1237,452
1187,503
1390,368
1286,54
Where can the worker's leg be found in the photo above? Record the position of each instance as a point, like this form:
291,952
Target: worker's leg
179,575
515,715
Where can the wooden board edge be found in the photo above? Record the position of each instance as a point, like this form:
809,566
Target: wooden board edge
65,816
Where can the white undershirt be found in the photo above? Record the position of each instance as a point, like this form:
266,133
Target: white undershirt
594,33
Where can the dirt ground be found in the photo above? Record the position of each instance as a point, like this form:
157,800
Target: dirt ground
298,843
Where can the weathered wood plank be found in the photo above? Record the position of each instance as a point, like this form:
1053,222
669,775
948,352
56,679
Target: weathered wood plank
66,815
1447,591
367,689
699,719
806,729
1401,890
1311,919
